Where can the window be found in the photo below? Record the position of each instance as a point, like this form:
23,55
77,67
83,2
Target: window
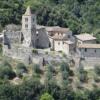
26,25
33,19
58,43
26,19
85,49
68,36
37,40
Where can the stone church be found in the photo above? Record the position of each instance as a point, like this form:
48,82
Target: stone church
20,41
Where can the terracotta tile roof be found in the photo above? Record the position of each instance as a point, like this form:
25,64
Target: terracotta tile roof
85,37
89,46
57,29
58,37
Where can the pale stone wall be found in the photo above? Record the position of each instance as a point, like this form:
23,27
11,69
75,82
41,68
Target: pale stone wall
58,45
62,46
52,43
85,52
13,36
87,41
28,25
18,52
66,48
30,22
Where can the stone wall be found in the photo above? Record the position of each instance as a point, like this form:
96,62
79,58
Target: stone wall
42,39
90,62
13,36
18,52
85,52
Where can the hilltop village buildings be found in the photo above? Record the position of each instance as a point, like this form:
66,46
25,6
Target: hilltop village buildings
19,44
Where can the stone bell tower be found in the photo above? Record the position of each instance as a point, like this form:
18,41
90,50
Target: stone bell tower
28,27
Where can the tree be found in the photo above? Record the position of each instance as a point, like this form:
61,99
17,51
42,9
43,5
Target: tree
37,69
46,96
51,69
20,69
97,69
6,71
83,76
64,67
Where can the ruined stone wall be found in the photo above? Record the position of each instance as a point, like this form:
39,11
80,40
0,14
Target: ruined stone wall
13,36
17,52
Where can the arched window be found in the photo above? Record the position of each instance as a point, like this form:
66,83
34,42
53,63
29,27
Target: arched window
26,19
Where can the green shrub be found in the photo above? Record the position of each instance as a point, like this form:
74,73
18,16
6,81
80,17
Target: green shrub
20,69
1,28
97,69
35,51
46,96
97,79
83,76
19,73
64,67
65,83
65,75
71,73
81,69
7,73
5,63
37,69
51,69
49,76
0,48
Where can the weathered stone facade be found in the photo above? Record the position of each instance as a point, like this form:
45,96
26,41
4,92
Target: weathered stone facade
19,44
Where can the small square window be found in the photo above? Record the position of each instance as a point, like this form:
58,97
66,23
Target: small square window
58,43
68,36
26,19
26,25
85,49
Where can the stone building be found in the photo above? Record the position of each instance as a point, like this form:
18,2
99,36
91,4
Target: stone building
20,43
61,39
88,50
31,35
85,38
86,45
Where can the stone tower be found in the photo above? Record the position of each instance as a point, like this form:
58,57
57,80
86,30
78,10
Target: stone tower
28,28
